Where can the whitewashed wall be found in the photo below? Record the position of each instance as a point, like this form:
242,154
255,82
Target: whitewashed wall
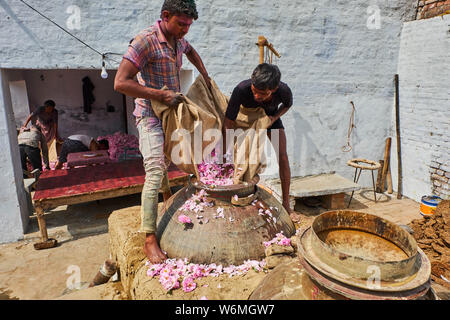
424,78
13,213
333,52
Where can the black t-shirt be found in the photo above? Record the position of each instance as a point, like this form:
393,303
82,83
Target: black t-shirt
243,95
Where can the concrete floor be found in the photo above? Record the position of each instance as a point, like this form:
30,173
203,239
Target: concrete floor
82,233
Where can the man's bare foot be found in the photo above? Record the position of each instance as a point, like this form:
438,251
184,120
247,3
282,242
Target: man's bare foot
287,207
294,217
152,249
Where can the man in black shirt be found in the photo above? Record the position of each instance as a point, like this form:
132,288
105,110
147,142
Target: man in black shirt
265,90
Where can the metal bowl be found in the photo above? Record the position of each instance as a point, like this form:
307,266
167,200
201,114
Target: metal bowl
362,249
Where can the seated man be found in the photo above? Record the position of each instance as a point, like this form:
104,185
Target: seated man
79,143
31,142
265,90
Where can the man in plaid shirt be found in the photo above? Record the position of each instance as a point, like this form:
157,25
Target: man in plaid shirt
155,57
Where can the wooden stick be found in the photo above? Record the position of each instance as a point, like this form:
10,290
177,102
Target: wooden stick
262,42
380,173
387,152
389,180
397,125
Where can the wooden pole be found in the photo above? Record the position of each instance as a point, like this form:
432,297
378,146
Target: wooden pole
380,173
389,180
397,125
261,43
387,154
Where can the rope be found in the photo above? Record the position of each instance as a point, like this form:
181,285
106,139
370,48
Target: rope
268,55
348,147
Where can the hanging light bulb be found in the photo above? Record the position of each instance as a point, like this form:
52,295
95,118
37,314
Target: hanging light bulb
104,74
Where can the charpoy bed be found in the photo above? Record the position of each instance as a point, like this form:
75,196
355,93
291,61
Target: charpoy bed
65,187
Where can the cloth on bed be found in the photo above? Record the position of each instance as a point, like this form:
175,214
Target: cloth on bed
86,180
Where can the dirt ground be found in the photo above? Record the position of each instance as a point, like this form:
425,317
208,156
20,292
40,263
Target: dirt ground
83,246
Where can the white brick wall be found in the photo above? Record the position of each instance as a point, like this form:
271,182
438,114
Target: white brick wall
424,75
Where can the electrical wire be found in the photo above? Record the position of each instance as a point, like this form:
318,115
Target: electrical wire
104,55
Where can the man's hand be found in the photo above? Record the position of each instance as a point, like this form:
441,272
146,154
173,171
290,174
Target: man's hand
171,98
272,120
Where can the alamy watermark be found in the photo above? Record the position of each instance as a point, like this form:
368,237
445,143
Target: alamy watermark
374,17
373,281
73,22
197,147
74,280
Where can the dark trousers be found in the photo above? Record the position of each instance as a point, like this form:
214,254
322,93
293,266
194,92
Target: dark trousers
32,154
71,146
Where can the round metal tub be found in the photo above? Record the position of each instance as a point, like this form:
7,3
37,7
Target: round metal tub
365,251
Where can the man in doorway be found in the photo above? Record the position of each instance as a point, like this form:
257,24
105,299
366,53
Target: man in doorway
31,142
265,90
79,143
155,56
46,118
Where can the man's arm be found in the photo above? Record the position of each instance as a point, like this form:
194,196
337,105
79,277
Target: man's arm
286,100
280,112
195,59
233,108
124,83
27,121
227,124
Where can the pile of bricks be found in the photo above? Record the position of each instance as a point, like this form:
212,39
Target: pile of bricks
432,8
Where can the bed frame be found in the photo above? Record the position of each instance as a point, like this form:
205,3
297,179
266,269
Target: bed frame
78,185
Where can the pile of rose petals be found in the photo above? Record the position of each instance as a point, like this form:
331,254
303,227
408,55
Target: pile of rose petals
265,212
119,142
197,202
214,173
176,273
280,239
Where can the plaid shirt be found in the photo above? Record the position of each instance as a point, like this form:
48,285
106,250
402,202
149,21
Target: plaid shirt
157,62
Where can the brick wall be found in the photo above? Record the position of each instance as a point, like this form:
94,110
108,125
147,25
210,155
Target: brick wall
432,8
424,109
439,176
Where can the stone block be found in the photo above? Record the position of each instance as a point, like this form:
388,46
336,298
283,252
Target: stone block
275,249
273,261
333,201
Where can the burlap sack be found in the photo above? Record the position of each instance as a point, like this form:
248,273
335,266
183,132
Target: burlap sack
185,141
249,156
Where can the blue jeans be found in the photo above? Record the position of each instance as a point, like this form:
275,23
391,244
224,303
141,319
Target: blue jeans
151,145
